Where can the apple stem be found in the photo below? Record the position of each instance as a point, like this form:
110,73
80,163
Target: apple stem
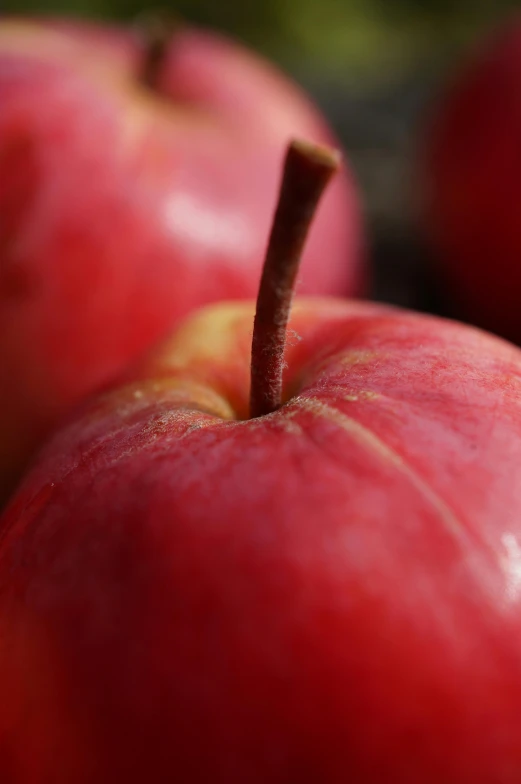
156,30
307,170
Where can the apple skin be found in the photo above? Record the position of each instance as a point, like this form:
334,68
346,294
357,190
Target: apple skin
470,183
122,209
329,593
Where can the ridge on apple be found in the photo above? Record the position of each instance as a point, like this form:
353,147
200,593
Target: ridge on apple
469,182
267,560
135,185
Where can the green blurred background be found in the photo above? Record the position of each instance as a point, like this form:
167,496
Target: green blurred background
374,67
363,35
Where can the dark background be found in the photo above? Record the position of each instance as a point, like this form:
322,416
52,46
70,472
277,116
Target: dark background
375,67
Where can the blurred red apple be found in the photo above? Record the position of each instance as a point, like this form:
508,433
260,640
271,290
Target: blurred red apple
471,183
131,191
329,592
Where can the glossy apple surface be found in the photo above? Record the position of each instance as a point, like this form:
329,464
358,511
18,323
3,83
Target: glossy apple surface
330,593
123,207
471,183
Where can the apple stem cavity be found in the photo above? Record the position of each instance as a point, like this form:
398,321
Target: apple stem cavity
307,171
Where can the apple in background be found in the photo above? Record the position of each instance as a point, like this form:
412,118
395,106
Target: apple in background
470,183
312,577
136,183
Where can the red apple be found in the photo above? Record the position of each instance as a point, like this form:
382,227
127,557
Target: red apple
315,578
471,183
123,206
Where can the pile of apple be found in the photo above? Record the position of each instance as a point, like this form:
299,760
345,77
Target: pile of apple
259,544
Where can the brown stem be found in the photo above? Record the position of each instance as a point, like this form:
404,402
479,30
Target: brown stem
156,30
307,170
